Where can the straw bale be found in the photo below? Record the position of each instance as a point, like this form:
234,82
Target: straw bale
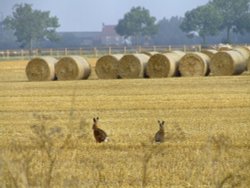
194,64
248,60
107,66
164,65
72,68
227,63
244,51
150,53
209,52
41,69
248,64
133,66
246,73
224,47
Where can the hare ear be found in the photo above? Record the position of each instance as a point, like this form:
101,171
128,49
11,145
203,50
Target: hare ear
159,121
97,118
163,122
94,120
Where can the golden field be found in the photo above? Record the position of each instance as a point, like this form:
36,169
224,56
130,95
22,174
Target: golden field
47,140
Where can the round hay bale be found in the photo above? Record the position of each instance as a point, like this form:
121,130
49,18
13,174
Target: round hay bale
164,65
209,52
194,64
224,47
150,54
179,53
244,51
133,66
246,73
248,64
107,66
72,68
248,60
228,63
41,69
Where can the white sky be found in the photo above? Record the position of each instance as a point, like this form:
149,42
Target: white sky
88,15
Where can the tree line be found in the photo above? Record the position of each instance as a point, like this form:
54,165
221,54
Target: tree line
210,20
226,21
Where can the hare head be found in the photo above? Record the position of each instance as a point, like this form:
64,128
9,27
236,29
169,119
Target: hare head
161,124
95,122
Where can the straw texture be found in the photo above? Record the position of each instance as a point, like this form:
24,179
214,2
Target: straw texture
227,63
164,65
194,64
72,68
107,66
41,69
133,66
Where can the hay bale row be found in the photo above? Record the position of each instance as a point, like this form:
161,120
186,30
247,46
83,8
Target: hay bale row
151,64
140,65
155,65
175,63
49,68
122,66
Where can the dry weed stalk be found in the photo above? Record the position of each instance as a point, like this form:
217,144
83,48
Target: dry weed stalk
47,140
16,164
149,151
18,159
212,166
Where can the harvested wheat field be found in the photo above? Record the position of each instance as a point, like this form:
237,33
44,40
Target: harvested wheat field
46,137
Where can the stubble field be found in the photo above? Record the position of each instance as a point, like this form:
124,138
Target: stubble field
46,137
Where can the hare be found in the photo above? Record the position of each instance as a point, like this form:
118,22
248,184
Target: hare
159,135
99,134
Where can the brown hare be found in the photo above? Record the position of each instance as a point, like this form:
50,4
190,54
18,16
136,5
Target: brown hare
99,134
159,136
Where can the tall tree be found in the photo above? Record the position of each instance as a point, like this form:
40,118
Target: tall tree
30,25
137,23
235,14
205,20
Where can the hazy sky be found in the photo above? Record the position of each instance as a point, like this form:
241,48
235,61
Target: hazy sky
88,15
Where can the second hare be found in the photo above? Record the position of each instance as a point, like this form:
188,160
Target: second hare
159,135
99,134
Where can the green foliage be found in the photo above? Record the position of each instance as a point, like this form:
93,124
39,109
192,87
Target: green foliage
235,14
244,23
30,25
218,15
205,19
136,23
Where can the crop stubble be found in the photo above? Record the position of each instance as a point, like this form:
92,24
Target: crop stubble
207,128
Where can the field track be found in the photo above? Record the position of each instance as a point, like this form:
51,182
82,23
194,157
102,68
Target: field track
207,122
